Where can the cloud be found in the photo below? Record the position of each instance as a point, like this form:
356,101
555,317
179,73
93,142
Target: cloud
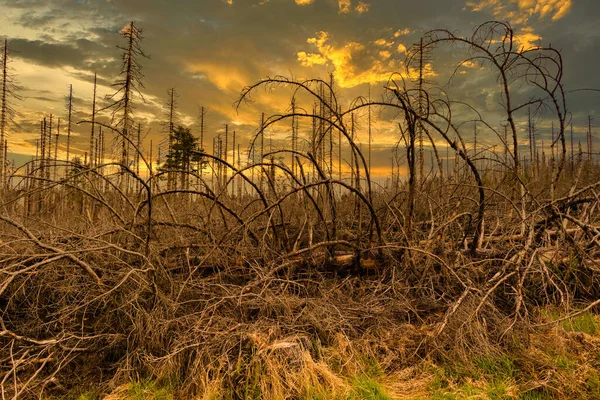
469,64
520,11
80,54
362,7
355,63
401,32
226,77
527,39
384,43
344,6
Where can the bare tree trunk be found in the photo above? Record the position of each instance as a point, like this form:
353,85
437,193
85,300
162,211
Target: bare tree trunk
42,158
70,111
3,115
572,151
262,149
56,150
225,157
49,149
233,164
590,149
419,127
239,164
92,140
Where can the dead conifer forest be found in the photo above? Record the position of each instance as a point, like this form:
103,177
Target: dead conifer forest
230,266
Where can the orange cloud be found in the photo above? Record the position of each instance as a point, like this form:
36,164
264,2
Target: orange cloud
384,43
362,7
469,64
527,39
225,77
344,6
353,62
401,32
520,11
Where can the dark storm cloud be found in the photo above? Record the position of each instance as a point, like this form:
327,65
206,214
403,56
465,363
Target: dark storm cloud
79,54
578,38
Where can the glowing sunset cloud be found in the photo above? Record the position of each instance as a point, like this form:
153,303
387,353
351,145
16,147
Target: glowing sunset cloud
362,7
520,14
520,11
527,39
355,63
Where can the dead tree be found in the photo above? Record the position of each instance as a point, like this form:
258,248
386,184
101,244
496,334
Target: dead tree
8,94
55,168
69,106
202,115
493,45
590,149
129,85
93,147
233,163
170,126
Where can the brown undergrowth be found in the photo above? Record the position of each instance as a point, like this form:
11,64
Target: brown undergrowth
228,320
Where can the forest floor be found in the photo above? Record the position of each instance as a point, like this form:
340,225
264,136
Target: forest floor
556,361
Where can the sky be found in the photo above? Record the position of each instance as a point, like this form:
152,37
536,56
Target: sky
209,50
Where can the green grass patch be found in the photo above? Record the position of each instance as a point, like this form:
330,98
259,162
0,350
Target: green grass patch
497,390
365,388
443,396
592,384
490,378
88,396
536,394
584,322
497,368
362,388
565,363
150,390
372,368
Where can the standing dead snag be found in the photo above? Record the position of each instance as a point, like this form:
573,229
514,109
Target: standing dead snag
3,110
8,93
170,127
93,148
128,87
69,106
